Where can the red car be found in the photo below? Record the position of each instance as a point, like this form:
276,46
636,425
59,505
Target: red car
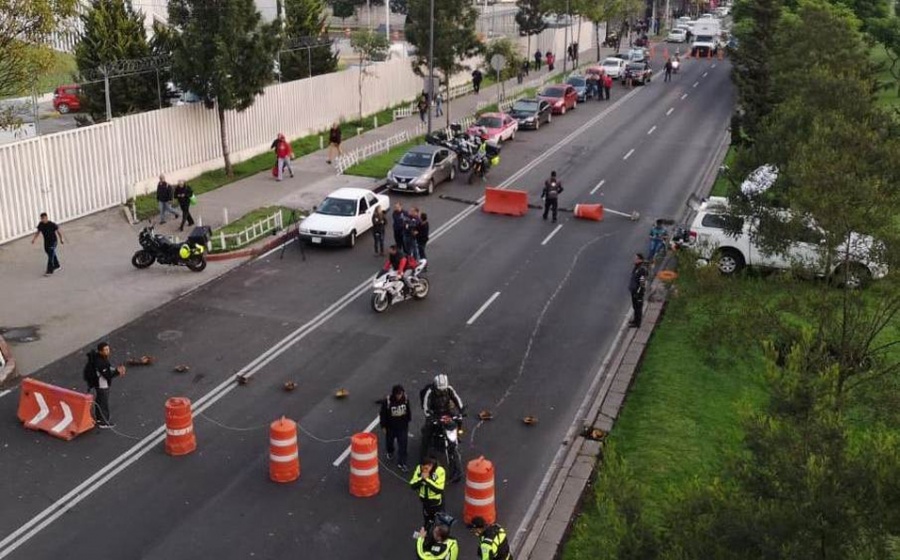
561,98
65,99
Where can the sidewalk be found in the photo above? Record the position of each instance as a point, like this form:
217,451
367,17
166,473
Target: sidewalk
98,290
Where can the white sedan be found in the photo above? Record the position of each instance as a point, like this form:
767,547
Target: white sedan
342,217
614,67
677,35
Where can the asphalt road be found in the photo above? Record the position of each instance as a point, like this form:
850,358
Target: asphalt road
533,351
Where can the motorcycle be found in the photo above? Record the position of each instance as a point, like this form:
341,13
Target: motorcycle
445,440
158,248
483,161
388,288
675,64
681,238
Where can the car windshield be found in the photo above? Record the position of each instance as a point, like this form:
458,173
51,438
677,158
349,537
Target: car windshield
337,207
489,122
416,159
636,67
704,39
612,63
526,106
577,82
552,92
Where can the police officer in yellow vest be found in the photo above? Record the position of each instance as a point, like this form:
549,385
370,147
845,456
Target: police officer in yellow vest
492,542
429,481
436,545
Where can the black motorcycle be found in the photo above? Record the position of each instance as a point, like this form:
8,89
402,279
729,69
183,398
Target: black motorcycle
445,432
483,161
158,248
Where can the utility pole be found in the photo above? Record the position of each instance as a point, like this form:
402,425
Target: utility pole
430,90
566,36
106,90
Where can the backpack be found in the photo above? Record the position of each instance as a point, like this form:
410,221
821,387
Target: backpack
422,393
90,373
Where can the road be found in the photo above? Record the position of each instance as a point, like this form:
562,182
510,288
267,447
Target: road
533,351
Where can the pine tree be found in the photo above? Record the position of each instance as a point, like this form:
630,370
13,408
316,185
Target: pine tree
530,19
114,31
225,56
305,22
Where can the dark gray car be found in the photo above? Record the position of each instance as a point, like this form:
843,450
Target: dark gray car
531,113
580,85
422,168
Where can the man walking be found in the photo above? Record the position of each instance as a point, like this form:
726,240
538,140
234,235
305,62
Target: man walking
52,235
395,416
637,285
492,541
438,105
429,481
164,197
183,195
668,68
552,189
607,84
283,155
99,374
477,77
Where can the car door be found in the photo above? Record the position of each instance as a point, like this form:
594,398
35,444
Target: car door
508,128
571,97
439,163
544,111
363,215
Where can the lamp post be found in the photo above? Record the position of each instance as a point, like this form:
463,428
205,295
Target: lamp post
566,37
430,89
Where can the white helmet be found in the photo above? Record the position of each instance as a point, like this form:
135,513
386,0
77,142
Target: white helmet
441,381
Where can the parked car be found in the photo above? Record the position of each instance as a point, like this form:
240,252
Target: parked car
580,84
422,168
65,99
7,362
531,113
342,217
637,55
677,35
614,67
561,98
639,72
495,127
712,235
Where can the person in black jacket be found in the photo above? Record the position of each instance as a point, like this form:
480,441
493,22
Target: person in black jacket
164,198
398,221
552,189
99,374
396,415
183,194
422,238
637,286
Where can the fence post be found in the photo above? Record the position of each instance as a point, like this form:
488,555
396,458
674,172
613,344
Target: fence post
376,121
225,216
222,240
321,142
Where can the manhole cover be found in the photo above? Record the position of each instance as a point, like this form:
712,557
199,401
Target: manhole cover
20,334
166,336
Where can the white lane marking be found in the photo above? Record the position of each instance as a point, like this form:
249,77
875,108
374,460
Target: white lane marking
491,299
705,74
279,247
552,233
628,155
93,483
713,66
4,393
651,130
683,97
696,84
346,453
600,184
669,112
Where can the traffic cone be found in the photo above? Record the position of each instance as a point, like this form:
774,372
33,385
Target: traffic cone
284,451
479,491
180,438
364,481
592,212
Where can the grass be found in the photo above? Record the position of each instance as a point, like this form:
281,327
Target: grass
887,97
377,167
147,207
720,187
246,221
62,66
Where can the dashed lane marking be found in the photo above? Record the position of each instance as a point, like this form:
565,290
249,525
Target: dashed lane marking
600,184
544,242
490,300
628,155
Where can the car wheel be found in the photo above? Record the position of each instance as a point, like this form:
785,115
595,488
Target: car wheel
852,277
537,123
549,117
63,108
452,174
574,104
351,240
431,186
513,135
563,111
730,261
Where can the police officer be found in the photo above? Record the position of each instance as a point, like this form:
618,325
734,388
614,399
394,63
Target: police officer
395,417
552,189
429,480
637,286
492,542
437,544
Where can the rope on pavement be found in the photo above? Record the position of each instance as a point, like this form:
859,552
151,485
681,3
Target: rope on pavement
320,440
254,428
124,435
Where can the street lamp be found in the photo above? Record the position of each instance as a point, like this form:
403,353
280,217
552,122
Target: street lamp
430,89
566,37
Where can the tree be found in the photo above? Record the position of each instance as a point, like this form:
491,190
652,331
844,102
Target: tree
305,23
343,9
530,19
224,55
887,32
368,45
114,31
509,50
454,37
24,27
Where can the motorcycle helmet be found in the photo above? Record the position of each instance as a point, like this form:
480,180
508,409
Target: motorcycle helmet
184,251
441,381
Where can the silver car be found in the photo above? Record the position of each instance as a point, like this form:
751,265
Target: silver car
422,168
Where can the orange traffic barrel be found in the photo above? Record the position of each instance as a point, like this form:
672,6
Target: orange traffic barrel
479,491
180,438
364,481
589,212
284,451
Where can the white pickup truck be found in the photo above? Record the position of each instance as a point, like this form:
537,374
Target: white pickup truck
710,237
707,37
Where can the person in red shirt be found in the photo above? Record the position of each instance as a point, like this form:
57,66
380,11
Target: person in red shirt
284,153
607,84
401,264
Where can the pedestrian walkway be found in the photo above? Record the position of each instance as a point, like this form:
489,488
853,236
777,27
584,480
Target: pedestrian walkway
98,290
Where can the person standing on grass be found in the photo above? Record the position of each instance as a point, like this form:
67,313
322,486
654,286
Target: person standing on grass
637,285
334,142
379,220
164,198
52,235
183,194
283,152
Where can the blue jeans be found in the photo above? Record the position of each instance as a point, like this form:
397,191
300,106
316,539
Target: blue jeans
656,245
165,206
52,260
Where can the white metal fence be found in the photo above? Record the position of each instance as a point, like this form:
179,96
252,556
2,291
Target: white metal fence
225,241
350,159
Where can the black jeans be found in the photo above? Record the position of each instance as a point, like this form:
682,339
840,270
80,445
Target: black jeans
429,511
101,406
551,203
186,215
52,261
422,245
637,306
378,236
401,436
398,237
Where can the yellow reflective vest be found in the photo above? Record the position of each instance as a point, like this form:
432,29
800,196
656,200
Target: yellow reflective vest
448,550
431,488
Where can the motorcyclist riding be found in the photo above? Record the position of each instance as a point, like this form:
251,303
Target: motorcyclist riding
400,264
439,399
